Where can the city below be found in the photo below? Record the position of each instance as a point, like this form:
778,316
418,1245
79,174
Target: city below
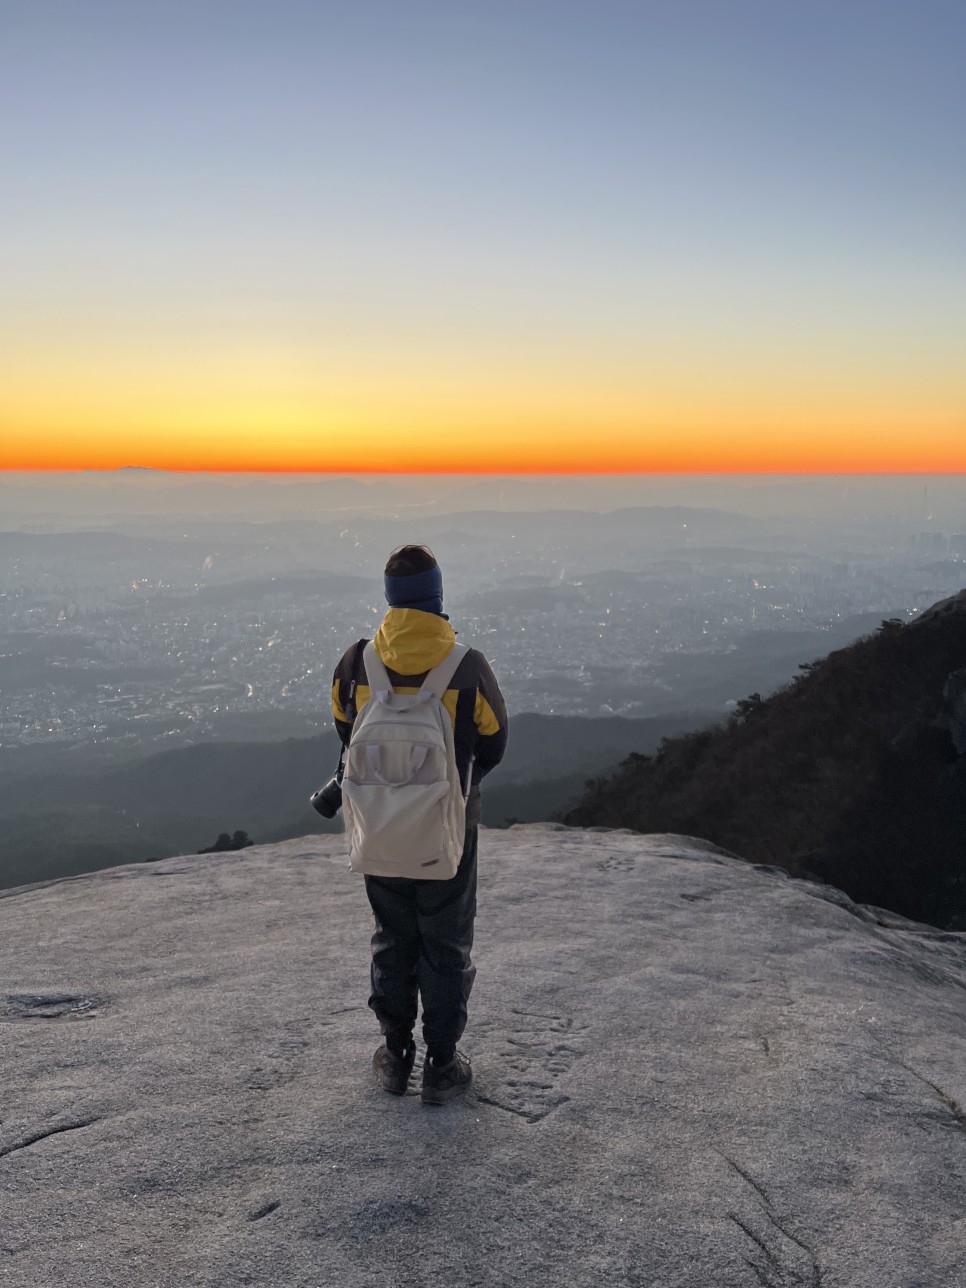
126,639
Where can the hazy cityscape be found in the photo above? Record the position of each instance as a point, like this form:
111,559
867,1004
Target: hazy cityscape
156,629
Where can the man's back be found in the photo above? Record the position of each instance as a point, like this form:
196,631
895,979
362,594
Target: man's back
424,928
410,643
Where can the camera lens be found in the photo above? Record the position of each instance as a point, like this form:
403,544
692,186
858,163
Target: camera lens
327,801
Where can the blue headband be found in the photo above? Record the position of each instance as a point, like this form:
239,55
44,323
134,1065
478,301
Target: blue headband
422,590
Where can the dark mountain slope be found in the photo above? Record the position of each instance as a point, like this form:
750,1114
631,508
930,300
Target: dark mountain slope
854,773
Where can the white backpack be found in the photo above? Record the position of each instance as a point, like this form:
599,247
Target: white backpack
405,809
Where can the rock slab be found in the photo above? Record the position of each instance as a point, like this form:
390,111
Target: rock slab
690,1073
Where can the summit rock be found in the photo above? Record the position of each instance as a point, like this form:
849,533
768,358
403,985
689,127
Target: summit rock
689,1072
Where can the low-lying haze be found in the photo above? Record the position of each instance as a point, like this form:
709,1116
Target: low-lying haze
144,609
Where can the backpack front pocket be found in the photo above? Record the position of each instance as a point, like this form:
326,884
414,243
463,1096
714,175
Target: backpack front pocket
399,826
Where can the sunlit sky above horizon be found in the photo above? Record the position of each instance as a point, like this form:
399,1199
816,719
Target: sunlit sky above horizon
708,235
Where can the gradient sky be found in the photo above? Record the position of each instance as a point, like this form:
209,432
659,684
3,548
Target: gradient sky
521,235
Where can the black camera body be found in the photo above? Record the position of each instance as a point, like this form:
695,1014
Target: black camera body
327,801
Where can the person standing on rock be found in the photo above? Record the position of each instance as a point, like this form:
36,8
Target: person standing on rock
424,928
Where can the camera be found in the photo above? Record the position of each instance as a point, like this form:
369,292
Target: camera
328,799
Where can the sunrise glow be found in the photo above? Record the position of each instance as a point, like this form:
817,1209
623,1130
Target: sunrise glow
584,422
664,245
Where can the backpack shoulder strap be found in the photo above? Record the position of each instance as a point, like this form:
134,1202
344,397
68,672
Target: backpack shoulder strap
438,679
436,682
376,673
350,704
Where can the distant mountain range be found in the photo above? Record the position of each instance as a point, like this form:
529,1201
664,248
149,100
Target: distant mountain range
673,523
854,773
139,491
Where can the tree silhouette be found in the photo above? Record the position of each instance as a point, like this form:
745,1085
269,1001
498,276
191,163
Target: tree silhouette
236,841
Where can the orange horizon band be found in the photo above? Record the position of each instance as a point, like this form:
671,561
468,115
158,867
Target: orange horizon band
489,471
370,445
563,462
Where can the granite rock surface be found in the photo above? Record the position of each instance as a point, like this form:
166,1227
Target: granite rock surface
690,1073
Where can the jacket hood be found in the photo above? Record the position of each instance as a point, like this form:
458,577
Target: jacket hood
410,641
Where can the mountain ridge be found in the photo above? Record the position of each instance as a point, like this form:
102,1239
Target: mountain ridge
853,773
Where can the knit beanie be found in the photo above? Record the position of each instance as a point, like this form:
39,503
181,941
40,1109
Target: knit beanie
422,590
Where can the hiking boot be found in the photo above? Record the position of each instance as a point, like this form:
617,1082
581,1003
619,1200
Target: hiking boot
445,1082
393,1070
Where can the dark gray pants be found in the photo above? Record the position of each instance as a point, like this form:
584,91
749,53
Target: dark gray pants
421,948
